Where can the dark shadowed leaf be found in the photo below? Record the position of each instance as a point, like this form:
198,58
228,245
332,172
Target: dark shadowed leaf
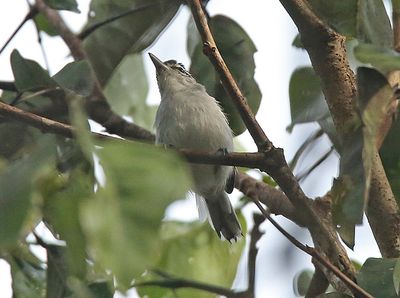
77,77
237,49
57,271
28,74
391,158
384,59
193,251
334,295
374,24
63,5
141,180
28,273
307,103
108,45
16,181
376,277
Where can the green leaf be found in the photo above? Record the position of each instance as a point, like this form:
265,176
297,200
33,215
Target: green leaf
334,295
340,15
307,103
108,45
193,251
77,77
373,23
237,49
16,190
396,277
70,5
301,282
365,20
28,74
384,59
376,277
127,90
141,180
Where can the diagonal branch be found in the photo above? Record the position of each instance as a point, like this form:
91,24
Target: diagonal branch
227,80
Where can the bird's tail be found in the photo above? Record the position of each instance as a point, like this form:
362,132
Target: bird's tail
222,216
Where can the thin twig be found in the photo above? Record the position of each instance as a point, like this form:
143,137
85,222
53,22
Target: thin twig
31,14
227,80
315,254
307,172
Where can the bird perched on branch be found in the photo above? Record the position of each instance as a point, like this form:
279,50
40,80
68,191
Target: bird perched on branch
190,118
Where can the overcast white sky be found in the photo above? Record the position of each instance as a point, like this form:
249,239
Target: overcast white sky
272,32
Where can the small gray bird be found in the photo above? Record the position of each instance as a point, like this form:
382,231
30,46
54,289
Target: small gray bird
190,118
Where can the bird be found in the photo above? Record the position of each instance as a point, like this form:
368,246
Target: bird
189,118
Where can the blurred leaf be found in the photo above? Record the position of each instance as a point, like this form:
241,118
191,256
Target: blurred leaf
77,77
193,37
63,196
329,129
376,277
301,282
19,139
108,45
141,180
237,49
63,5
334,295
101,290
383,59
340,15
28,279
28,74
307,103
396,276
16,190
365,20
297,42
193,251
127,90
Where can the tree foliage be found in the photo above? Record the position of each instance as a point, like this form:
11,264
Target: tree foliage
105,198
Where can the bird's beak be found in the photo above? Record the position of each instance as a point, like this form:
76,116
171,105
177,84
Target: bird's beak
160,66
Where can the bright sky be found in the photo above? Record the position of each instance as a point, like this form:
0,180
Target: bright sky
272,32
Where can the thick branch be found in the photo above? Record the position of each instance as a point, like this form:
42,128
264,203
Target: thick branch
227,80
97,105
396,24
328,56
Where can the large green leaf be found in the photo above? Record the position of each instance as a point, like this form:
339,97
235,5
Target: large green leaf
237,49
16,186
77,77
307,103
376,277
108,45
193,251
384,59
28,74
122,222
127,91
365,20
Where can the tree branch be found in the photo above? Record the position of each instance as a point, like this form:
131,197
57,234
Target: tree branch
329,59
227,80
97,105
318,285
396,24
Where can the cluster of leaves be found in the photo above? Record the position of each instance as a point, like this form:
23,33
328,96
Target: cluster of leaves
106,199
369,38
